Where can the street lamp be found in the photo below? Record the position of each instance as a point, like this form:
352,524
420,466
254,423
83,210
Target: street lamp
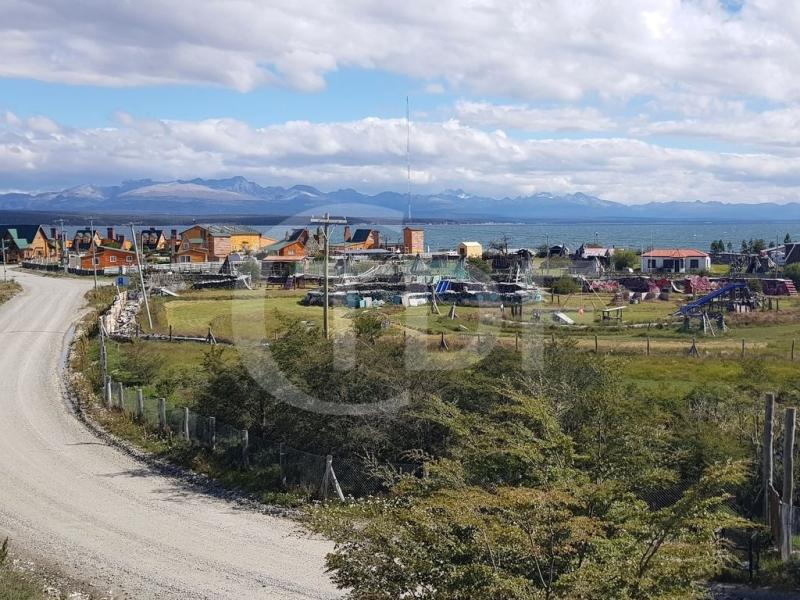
326,221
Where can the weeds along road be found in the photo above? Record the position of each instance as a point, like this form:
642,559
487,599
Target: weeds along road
100,516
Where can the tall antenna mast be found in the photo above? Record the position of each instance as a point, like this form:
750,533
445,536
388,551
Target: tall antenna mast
408,157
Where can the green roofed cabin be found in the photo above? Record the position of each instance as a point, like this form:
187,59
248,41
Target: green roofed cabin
24,242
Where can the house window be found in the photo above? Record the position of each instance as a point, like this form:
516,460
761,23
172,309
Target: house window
652,263
96,261
186,259
694,264
112,259
128,259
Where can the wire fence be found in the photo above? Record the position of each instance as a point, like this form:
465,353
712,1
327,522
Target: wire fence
282,466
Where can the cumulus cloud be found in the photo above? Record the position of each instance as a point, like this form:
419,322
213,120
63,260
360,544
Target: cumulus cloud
526,49
369,154
525,118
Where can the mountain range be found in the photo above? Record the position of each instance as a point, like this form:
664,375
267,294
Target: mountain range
240,196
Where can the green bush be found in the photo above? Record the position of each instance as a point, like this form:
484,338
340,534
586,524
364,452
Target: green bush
563,286
792,272
625,259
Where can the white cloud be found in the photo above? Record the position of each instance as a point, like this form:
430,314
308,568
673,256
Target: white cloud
369,154
525,49
525,118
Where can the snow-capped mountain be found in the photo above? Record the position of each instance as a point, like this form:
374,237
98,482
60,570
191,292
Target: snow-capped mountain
240,196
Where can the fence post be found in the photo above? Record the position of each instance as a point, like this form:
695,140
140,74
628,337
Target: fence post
767,452
790,417
121,398
792,356
281,461
212,432
170,332
330,477
648,346
516,341
185,425
109,393
139,404
245,443
743,349
162,415
596,345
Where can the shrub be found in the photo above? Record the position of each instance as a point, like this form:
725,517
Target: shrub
564,286
792,272
625,259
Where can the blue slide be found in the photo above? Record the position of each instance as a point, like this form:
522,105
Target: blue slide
707,299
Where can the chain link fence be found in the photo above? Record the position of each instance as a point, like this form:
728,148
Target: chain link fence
284,467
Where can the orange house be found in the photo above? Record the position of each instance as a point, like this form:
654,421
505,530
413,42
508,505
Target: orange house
108,258
294,244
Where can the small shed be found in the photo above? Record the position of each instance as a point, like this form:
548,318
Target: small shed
470,250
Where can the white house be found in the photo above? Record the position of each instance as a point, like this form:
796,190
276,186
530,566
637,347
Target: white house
676,260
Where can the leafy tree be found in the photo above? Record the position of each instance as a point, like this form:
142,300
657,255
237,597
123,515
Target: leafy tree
252,268
625,259
717,247
787,239
565,285
792,272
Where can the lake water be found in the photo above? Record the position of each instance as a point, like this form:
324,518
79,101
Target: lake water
630,235
521,235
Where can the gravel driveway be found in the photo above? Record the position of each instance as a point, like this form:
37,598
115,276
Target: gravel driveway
102,517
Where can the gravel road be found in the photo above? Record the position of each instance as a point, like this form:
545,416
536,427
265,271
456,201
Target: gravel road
71,500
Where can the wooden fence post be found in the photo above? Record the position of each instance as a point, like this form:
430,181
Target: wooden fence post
516,341
767,452
743,348
139,404
788,483
244,438
648,346
212,432
170,332
162,415
109,393
121,398
185,424
596,345
792,355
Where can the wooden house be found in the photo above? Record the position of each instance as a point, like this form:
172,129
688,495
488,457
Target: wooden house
211,243
84,239
105,257
361,239
24,242
293,244
413,240
152,240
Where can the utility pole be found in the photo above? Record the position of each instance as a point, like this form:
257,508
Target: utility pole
63,236
94,252
141,277
326,221
4,260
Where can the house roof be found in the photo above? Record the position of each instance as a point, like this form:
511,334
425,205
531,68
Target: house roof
674,253
471,244
22,235
589,252
360,236
283,258
226,230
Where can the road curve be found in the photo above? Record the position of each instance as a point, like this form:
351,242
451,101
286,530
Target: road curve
106,519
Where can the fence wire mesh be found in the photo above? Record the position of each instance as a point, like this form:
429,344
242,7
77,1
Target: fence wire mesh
287,467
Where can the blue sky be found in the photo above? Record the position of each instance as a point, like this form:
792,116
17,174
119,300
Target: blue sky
634,102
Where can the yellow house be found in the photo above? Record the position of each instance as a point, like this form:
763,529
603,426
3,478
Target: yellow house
470,250
243,240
